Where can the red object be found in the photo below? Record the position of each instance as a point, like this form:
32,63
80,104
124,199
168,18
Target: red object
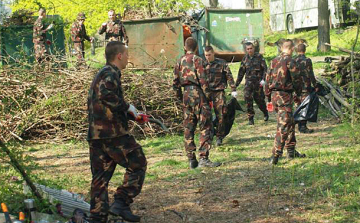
211,104
142,118
270,107
48,42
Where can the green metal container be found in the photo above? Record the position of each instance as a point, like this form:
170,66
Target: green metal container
155,42
227,29
17,43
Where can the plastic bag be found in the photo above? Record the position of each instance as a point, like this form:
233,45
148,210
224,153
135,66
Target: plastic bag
308,109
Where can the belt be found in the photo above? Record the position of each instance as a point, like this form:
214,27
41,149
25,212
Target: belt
191,87
287,91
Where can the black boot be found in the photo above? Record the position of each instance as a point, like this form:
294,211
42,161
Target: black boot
251,120
266,116
205,162
121,208
274,160
295,154
95,219
193,163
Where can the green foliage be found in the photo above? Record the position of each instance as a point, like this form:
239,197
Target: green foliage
96,12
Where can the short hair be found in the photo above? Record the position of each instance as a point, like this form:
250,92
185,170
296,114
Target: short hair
190,44
209,48
111,10
249,44
112,49
301,48
41,11
287,44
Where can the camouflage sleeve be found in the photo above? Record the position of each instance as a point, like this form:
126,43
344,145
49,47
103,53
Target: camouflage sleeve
267,81
241,73
295,77
176,82
263,67
310,70
126,38
200,70
229,77
102,29
73,32
108,87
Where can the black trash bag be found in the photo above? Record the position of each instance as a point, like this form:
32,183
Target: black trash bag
308,109
229,116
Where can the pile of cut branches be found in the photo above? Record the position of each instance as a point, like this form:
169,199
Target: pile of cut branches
48,104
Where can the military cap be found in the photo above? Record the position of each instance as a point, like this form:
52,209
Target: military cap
81,15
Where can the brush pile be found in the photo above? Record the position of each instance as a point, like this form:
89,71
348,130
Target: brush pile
50,104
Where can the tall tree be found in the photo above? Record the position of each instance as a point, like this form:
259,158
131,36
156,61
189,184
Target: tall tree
249,4
323,25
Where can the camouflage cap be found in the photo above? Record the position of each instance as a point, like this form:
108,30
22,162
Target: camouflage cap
81,16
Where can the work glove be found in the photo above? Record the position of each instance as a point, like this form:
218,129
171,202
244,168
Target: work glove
50,27
234,94
211,104
142,118
262,83
132,111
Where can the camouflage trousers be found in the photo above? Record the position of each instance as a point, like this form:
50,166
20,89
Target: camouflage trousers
196,110
253,91
218,98
40,52
285,132
105,154
79,53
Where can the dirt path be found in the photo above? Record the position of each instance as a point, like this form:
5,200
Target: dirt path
246,188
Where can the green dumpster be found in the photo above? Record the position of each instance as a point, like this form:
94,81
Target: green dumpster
227,29
17,43
155,42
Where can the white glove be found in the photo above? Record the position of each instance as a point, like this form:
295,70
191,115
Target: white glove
234,94
262,82
104,24
50,26
132,110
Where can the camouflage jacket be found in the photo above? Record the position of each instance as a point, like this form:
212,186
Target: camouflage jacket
219,74
107,108
78,33
39,31
190,70
114,30
283,75
254,67
306,71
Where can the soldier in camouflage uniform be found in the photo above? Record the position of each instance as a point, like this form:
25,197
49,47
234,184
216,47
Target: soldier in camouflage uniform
110,142
283,78
39,37
78,36
308,77
114,29
219,74
253,67
190,74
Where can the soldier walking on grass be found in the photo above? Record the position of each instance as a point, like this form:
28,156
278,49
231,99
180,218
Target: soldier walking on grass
114,29
190,74
110,142
39,37
78,36
308,78
283,78
253,67
219,75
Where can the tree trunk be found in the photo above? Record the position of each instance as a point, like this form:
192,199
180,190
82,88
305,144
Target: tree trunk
324,25
249,4
213,3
